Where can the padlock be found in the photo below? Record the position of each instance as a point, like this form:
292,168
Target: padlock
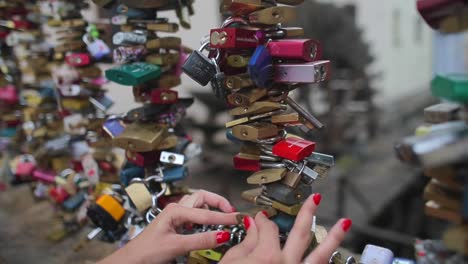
164,96
295,49
168,142
273,15
248,119
129,172
25,166
113,126
292,119
233,38
287,195
175,174
163,59
218,81
292,179
195,258
123,54
237,61
285,222
58,194
133,74
103,3
140,196
260,67
433,209
446,197
210,254
128,38
97,48
239,81
172,158
241,7
441,16
91,72
246,97
303,168
74,202
90,169
57,146
164,43
440,113
143,159
311,72
447,175
255,131
9,95
376,254
198,67
246,162
77,59
267,176
140,137
452,87
148,112
293,148
146,3
163,27
257,108
106,213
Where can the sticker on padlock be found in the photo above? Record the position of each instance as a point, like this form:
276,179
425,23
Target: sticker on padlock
294,148
133,74
140,196
198,67
172,158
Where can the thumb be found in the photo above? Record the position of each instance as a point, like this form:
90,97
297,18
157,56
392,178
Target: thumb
206,240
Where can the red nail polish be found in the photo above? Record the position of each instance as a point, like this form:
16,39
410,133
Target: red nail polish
222,237
265,213
233,209
346,224
317,197
246,221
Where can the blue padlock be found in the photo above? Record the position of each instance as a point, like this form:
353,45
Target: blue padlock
260,67
175,174
72,203
8,132
130,171
284,221
113,126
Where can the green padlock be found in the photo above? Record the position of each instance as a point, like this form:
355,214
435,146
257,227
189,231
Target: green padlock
453,87
133,74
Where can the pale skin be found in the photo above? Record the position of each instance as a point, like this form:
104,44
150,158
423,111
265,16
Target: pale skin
160,242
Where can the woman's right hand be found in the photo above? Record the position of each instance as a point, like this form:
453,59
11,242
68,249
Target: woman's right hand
262,245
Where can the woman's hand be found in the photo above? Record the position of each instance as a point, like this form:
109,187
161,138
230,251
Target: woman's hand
261,245
160,242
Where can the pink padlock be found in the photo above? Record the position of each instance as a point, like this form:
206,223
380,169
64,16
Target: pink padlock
25,166
78,59
298,49
9,95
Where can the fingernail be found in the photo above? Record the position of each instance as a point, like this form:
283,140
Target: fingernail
233,209
222,237
246,221
346,224
265,213
317,197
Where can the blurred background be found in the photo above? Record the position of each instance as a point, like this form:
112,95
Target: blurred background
384,57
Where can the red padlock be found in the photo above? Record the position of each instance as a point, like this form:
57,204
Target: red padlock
78,59
9,95
246,162
44,176
58,194
233,38
142,159
164,96
299,49
294,149
106,166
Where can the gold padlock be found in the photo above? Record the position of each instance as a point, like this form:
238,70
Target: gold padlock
239,81
267,176
166,59
140,196
164,43
163,27
140,137
253,132
246,97
256,108
273,15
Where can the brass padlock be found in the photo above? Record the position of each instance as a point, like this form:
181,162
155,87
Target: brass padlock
237,82
291,179
140,137
253,132
168,142
140,196
267,176
91,72
273,15
256,108
165,59
164,43
163,27
195,258
246,97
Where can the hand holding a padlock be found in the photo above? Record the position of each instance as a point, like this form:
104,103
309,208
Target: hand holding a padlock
160,242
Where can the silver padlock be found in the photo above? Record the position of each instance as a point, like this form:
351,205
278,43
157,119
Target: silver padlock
121,38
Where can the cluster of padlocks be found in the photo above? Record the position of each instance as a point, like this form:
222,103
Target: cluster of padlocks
253,63
440,146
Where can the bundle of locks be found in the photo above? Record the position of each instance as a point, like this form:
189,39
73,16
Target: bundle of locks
440,147
156,145
253,63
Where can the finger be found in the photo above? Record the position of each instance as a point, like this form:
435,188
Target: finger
248,244
333,240
176,215
299,237
268,235
205,240
201,197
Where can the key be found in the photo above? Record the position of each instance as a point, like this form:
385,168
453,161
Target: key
273,15
239,81
237,61
164,43
140,137
293,148
295,49
166,59
260,67
163,27
286,195
246,97
172,158
308,117
133,74
233,38
440,113
140,196
311,72
253,132
164,96
199,68
267,176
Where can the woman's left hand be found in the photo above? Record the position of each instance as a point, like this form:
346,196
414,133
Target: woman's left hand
160,242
